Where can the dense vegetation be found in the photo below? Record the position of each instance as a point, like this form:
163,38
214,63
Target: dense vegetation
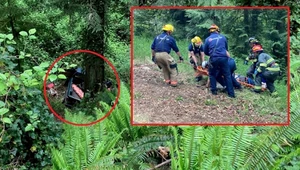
35,32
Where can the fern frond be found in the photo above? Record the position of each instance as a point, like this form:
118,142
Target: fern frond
138,149
102,148
105,162
58,160
237,144
262,155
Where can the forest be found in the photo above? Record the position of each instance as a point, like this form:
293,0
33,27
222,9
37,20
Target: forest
34,33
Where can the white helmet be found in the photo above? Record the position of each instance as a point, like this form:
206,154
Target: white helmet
204,64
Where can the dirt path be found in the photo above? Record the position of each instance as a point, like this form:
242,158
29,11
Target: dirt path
155,102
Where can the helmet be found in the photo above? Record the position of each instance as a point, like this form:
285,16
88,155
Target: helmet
196,40
253,40
204,64
168,27
213,28
257,48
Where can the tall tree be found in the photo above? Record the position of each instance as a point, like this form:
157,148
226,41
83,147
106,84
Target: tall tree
95,41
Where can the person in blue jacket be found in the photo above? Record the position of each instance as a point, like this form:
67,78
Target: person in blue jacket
217,49
160,49
232,68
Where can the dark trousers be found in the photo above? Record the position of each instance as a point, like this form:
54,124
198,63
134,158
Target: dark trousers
269,77
250,71
221,80
219,66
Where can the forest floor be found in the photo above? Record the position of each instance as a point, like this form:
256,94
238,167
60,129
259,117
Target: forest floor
192,103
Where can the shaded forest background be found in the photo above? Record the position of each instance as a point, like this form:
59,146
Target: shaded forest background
35,32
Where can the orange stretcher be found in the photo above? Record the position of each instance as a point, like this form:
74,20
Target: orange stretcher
201,71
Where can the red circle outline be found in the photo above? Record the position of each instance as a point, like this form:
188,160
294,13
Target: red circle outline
61,57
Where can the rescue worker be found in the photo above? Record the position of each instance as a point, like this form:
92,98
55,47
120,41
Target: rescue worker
196,55
160,49
232,68
252,41
267,69
216,47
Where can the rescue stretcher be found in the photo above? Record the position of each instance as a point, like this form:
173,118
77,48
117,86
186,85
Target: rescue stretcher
202,71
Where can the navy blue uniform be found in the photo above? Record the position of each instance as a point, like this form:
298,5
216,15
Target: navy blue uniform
164,43
216,47
232,68
195,49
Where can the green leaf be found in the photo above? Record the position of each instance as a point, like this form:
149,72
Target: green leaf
23,33
6,120
12,81
73,65
10,42
2,36
1,40
61,76
3,88
61,70
28,55
29,127
16,87
52,77
32,31
3,111
44,64
10,49
22,55
2,76
29,72
10,36
2,104
32,37
37,68
34,82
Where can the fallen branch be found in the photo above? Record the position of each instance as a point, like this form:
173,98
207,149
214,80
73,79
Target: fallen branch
161,164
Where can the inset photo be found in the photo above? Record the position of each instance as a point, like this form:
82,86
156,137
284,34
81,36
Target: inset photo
210,66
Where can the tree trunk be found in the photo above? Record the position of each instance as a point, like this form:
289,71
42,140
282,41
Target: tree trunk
246,21
95,41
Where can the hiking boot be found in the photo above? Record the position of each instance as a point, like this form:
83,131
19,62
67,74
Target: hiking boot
231,96
167,81
198,78
239,88
255,91
173,83
214,93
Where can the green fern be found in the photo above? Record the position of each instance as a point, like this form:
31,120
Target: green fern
262,155
237,145
58,160
139,150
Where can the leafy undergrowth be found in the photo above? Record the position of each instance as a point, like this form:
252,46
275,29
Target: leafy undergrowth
191,102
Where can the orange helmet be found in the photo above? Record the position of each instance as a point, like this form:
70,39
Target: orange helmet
257,48
213,28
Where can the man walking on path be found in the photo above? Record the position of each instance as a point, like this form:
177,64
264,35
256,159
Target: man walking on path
161,48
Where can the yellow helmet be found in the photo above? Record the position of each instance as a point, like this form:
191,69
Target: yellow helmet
168,27
196,40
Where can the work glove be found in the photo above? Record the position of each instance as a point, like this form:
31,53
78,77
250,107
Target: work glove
180,58
153,59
